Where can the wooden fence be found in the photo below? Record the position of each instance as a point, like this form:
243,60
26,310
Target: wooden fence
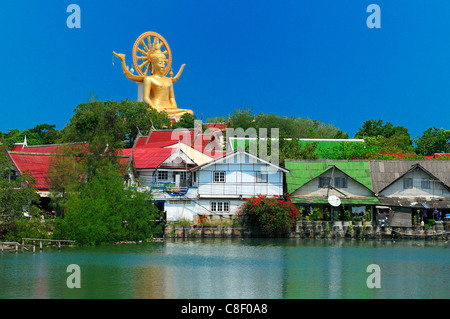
40,240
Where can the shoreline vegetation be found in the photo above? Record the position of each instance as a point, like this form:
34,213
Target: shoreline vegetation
303,229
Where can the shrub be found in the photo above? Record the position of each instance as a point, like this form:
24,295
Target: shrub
347,216
430,223
31,228
268,215
103,211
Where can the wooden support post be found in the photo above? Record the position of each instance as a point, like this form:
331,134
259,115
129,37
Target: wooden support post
59,245
21,247
34,248
2,248
40,245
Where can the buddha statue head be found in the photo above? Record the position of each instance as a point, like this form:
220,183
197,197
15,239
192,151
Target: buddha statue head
157,59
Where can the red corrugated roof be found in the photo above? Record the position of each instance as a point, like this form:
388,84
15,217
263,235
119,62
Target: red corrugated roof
220,126
185,136
163,139
158,144
47,149
437,155
150,157
36,164
17,148
215,155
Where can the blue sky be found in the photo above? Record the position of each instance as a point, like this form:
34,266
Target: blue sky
315,59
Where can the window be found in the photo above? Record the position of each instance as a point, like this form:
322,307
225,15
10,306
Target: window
407,183
162,175
425,184
219,177
324,182
179,202
341,182
261,177
220,207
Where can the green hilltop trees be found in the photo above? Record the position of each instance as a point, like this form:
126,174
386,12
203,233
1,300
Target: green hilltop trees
389,138
433,140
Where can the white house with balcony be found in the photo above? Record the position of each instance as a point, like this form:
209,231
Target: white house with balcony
165,173
225,183
187,181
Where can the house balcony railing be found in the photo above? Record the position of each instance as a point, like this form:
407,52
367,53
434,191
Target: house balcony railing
170,189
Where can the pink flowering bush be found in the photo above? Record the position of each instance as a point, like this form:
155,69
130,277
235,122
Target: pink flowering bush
268,215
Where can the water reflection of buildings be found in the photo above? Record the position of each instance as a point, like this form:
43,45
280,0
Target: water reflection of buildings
326,269
219,269
287,269
149,283
41,285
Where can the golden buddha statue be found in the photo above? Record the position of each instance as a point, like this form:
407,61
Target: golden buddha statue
157,87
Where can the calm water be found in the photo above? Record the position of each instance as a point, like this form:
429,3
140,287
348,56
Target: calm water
233,268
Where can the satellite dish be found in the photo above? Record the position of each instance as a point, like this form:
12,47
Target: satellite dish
334,201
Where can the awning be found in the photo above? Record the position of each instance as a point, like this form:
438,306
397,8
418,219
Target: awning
415,202
425,205
344,201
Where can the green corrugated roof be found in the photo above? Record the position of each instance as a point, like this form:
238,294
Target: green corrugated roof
304,171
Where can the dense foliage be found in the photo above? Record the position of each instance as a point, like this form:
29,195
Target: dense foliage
433,140
103,211
18,195
268,215
371,148
290,127
389,138
87,180
39,135
111,122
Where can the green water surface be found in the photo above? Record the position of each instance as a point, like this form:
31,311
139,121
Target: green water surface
233,268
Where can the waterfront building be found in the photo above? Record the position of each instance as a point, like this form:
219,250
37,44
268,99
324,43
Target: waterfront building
36,160
225,183
191,178
397,192
312,182
412,190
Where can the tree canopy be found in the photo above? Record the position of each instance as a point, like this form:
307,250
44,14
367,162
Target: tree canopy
17,192
117,122
390,138
433,140
104,211
289,127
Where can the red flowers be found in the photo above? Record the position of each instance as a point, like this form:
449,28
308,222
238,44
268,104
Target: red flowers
269,214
